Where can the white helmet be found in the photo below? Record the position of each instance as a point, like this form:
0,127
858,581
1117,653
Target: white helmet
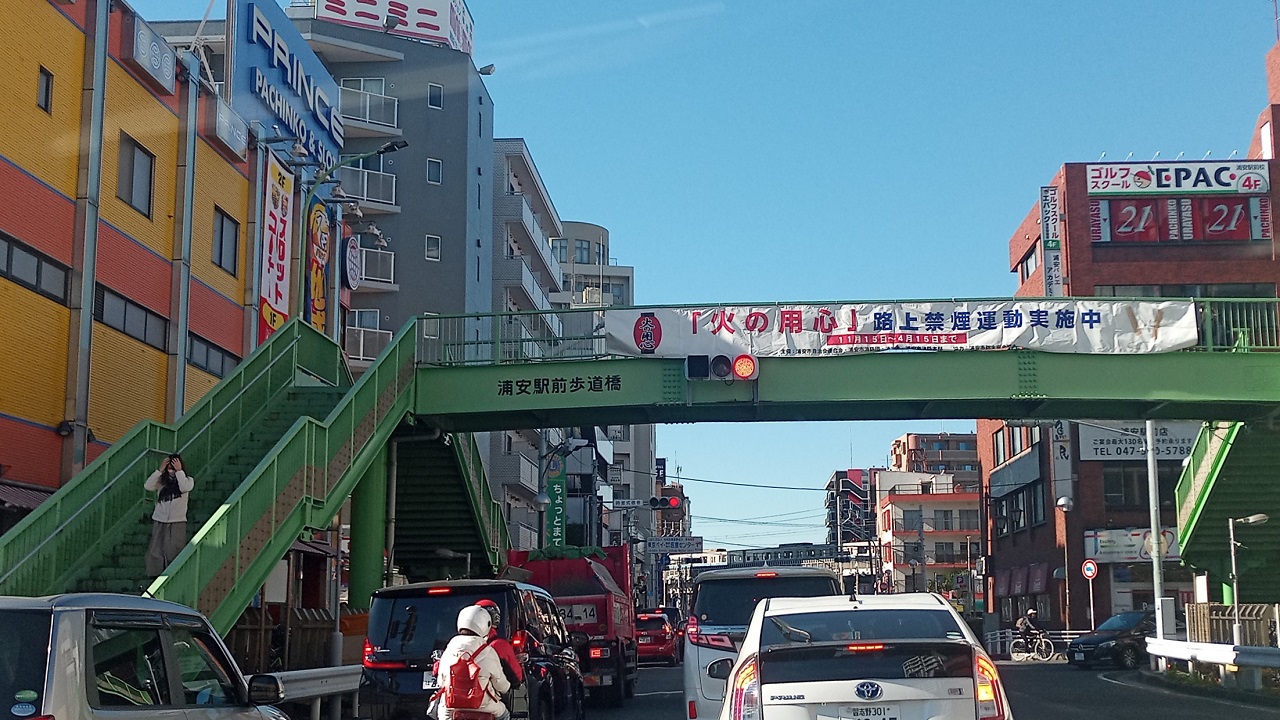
475,619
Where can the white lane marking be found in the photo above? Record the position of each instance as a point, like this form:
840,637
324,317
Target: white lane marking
1166,691
661,692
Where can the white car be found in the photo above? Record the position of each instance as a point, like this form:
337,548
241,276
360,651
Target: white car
883,657
723,601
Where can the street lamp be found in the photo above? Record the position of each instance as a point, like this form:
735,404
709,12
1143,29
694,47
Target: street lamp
1066,505
1255,519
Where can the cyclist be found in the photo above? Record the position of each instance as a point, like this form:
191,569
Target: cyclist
1027,628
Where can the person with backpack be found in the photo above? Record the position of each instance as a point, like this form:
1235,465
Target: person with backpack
511,664
471,677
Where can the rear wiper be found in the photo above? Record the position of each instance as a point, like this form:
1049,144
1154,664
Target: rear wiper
791,633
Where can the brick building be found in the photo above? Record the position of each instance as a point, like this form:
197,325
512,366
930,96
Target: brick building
1146,229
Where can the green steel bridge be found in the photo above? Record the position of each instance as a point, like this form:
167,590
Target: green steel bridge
282,442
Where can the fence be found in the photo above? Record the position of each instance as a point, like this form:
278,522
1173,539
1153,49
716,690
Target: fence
1212,623
997,643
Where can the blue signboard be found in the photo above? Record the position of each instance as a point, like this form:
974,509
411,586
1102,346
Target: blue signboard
278,80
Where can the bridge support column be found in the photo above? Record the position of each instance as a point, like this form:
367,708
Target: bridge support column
368,528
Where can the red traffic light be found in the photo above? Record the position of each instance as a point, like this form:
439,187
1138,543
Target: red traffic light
664,503
746,367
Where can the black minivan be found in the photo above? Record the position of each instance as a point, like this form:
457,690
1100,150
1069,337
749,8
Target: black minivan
410,625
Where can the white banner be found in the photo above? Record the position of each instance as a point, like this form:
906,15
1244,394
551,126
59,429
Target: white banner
1129,545
277,237
1182,178
1081,325
438,21
1174,440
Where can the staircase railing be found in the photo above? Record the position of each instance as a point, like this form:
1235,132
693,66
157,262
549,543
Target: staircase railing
300,484
488,512
46,549
1200,473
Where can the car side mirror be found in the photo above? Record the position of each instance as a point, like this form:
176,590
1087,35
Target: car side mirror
265,690
720,669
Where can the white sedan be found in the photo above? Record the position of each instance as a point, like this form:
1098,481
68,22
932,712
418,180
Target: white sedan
884,657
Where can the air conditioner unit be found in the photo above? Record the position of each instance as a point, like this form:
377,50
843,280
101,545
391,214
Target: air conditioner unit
591,295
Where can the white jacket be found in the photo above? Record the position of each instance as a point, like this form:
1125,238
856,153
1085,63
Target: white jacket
175,510
491,674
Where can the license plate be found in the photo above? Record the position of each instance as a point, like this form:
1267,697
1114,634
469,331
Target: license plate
428,681
878,712
645,640
1079,657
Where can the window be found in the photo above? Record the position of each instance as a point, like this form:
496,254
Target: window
965,445
619,291
601,254
207,677
366,319
1124,485
1002,517
944,552
1027,266
136,169
1035,502
430,326
435,171
130,318
435,96
997,441
912,519
432,251
209,357
560,249
938,445
1017,443
968,519
226,241
377,86
1018,511
32,269
128,666
942,520
44,91
582,251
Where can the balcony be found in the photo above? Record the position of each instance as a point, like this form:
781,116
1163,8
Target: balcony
367,114
518,344
378,272
523,536
955,526
523,226
365,344
517,470
527,293
375,191
947,492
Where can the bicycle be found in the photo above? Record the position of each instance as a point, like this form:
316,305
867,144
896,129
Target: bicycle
1041,649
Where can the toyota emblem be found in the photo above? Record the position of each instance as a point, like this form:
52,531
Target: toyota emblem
868,691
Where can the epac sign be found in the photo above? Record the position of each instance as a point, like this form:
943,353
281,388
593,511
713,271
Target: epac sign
278,80
1221,178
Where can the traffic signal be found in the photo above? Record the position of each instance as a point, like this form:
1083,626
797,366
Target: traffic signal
721,367
664,503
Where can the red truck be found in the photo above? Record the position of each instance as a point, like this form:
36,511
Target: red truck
592,588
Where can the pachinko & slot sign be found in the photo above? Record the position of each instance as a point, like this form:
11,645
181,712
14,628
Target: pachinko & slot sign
1069,325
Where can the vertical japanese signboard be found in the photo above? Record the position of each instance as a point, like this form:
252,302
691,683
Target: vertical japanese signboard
557,510
1061,462
1051,240
315,304
277,231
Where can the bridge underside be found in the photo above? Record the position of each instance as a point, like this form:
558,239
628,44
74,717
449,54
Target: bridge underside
872,386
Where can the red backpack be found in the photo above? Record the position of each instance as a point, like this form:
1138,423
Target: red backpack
466,689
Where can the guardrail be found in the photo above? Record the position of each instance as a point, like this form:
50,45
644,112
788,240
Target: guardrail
317,683
1215,653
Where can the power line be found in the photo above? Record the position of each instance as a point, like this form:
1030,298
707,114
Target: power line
756,522
726,482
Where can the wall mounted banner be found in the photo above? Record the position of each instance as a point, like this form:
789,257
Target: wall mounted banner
1051,240
277,234
439,21
1129,545
1083,325
1222,178
557,518
315,303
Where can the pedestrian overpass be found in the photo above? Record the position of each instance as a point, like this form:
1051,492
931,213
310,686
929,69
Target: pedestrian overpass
281,443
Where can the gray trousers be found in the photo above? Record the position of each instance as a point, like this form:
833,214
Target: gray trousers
167,540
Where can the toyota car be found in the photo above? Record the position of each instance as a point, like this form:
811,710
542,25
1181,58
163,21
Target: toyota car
888,657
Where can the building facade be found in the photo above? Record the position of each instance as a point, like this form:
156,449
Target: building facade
851,513
126,257
955,454
929,531
1069,491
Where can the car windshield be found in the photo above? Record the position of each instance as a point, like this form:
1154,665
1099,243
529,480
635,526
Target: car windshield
858,626
415,626
24,647
1123,621
730,601
652,623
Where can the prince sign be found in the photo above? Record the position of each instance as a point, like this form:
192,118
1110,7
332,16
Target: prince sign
1079,325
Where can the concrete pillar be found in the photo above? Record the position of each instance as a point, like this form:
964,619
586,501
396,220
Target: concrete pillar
368,524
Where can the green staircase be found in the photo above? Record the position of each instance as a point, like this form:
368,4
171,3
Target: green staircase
275,449
1233,472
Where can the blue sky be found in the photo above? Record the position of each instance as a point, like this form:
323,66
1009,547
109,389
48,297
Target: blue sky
840,150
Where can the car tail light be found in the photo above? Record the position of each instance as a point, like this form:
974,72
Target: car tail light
864,647
439,591
712,641
767,574
986,681
744,693
693,710
371,663
596,653
519,640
